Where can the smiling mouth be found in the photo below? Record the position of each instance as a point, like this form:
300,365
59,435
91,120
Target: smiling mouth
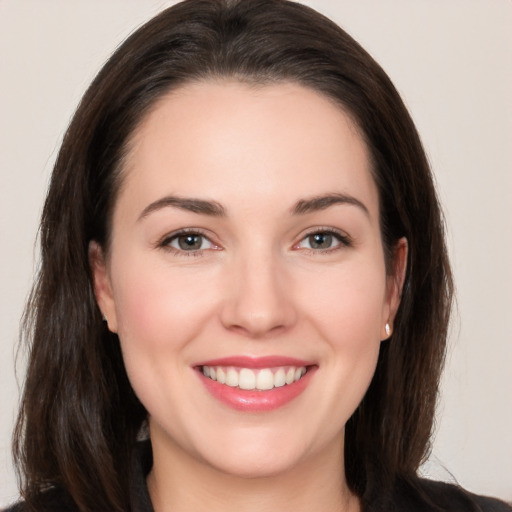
261,379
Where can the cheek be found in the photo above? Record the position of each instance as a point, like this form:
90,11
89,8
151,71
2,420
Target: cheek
160,312
159,307
348,303
346,307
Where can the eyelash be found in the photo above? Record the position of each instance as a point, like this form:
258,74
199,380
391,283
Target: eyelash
343,239
165,243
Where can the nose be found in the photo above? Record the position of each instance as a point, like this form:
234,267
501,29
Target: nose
259,299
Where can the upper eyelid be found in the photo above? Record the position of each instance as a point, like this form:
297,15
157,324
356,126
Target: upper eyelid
324,229
185,231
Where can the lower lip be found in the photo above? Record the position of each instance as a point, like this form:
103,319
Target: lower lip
256,401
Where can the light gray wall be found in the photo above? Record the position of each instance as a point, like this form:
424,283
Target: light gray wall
450,59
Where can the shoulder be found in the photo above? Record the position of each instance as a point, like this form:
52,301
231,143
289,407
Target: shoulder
50,500
423,495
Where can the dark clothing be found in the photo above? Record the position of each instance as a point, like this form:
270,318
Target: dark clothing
420,496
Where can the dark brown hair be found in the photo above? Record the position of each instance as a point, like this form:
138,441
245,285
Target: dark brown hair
79,416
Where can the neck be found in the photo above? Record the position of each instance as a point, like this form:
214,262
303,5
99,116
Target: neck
181,483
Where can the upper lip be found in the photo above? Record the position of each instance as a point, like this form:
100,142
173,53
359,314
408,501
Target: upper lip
255,362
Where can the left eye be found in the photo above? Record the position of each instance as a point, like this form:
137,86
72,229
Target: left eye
190,242
321,240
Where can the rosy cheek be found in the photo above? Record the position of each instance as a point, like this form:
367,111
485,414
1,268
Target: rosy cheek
158,305
348,299
138,299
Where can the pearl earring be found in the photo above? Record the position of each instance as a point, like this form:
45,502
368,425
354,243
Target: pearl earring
387,328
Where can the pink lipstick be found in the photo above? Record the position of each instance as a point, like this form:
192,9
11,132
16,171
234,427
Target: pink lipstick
255,384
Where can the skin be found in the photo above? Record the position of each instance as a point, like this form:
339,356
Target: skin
256,287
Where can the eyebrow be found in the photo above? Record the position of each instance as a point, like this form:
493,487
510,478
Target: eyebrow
215,209
200,206
318,203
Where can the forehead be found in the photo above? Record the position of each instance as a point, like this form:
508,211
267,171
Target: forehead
228,139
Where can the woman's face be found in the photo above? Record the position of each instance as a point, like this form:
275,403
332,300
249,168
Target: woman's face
246,241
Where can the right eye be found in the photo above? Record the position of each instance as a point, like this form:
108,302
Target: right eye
188,242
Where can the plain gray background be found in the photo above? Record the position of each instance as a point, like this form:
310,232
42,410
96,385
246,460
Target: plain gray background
452,62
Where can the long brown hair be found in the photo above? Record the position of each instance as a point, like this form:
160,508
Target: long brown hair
79,416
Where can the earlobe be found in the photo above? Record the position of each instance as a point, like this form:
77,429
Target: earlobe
396,281
102,285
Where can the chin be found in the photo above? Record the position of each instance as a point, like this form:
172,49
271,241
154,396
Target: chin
251,454
268,465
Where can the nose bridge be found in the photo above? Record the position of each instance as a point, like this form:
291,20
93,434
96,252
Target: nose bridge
258,302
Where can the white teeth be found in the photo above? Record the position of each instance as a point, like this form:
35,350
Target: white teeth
261,379
298,374
279,378
246,379
265,379
232,378
221,376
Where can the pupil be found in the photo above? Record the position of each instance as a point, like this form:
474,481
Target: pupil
188,242
320,240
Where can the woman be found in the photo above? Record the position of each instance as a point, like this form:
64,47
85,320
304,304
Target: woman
243,259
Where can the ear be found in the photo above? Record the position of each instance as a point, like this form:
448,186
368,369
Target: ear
395,283
102,285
